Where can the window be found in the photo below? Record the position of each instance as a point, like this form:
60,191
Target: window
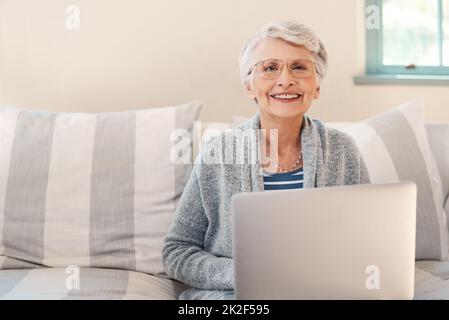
410,37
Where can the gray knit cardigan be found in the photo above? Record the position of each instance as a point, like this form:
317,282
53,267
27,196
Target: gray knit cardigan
198,247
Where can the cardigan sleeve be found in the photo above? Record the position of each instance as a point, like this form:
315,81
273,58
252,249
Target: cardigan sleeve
356,171
183,252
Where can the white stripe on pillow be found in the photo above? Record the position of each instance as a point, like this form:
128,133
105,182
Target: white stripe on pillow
157,168
374,153
67,223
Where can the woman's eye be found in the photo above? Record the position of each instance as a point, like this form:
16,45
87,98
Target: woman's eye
299,67
271,68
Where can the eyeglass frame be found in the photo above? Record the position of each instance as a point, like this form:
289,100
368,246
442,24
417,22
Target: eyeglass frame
283,64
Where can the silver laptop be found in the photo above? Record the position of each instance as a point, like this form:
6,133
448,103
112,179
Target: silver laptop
350,242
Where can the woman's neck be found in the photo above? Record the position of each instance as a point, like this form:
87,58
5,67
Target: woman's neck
288,133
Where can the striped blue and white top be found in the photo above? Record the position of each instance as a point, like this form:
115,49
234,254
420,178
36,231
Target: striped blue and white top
283,181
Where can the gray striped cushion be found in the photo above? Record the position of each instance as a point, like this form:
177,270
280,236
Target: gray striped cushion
439,143
92,190
92,284
395,148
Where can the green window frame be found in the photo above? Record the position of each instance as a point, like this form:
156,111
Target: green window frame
377,72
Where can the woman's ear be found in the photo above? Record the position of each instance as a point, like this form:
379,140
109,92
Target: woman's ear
249,91
317,93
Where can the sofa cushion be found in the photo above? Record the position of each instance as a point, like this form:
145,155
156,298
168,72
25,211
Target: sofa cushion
73,283
92,190
395,148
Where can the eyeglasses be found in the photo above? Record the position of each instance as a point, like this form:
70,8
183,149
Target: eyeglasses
272,68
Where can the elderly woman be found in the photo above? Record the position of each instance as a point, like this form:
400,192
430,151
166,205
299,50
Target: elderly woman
282,68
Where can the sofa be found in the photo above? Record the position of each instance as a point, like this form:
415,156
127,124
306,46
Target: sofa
59,241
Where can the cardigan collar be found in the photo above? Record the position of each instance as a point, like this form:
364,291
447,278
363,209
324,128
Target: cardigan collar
310,141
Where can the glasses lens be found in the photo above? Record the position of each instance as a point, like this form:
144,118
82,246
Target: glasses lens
301,68
271,68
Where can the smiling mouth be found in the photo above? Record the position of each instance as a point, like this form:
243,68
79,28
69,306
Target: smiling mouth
286,98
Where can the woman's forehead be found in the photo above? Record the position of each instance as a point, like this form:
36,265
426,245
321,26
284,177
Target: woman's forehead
280,49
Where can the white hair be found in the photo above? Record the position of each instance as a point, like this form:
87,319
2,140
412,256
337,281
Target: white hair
291,32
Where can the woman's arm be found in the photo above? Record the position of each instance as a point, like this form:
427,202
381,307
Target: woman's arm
355,169
183,253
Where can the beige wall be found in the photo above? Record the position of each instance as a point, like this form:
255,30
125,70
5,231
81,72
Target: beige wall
141,53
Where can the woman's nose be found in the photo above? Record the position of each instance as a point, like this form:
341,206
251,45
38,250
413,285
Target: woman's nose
285,79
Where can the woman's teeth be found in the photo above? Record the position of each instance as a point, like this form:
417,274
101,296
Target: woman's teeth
284,97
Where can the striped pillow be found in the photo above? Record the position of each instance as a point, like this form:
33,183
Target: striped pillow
92,190
438,140
395,148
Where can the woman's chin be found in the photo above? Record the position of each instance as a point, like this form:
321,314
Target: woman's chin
286,111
